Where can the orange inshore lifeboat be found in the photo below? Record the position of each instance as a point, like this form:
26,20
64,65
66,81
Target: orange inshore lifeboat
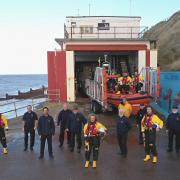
101,97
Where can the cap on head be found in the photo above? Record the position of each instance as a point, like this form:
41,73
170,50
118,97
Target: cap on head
142,104
175,107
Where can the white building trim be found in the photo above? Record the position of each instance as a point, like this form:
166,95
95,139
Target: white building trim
153,58
141,59
70,76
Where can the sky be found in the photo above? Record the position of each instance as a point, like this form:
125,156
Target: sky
28,27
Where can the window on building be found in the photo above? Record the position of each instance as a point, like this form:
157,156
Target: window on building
86,29
103,26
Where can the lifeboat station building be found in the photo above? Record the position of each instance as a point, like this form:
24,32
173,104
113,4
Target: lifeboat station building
87,40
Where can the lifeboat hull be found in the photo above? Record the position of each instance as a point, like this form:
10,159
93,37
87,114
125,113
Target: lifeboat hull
134,99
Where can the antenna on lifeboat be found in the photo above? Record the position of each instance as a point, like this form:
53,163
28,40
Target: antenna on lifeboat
106,64
99,61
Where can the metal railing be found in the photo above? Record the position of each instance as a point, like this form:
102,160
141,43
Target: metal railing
14,106
89,32
150,79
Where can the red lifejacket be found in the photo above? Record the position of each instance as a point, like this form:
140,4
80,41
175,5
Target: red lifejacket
91,129
125,80
1,122
136,79
148,121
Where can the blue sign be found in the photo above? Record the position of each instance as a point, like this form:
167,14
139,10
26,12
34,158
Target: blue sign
170,90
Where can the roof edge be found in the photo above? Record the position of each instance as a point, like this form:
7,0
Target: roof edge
103,16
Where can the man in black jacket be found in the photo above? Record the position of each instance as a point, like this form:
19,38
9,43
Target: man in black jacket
139,116
74,126
29,125
123,127
173,129
46,129
62,121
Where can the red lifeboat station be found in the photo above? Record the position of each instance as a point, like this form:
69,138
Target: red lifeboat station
86,40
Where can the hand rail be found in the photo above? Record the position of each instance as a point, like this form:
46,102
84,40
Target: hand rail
46,96
134,32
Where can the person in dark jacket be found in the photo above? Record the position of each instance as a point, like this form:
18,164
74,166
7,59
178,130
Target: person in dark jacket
123,127
75,126
139,116
29,125
62,122
46,129
173,129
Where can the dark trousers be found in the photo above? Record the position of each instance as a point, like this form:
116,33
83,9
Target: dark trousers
122,140
61,136
140,134
177,141
171,134
78,138
150,142
43,141
92,144
28,131
124,88
3,138
138,86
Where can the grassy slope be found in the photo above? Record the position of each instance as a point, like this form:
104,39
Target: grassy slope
168,35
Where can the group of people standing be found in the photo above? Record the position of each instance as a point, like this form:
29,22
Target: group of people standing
72,123
45,127
77,128
148,123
